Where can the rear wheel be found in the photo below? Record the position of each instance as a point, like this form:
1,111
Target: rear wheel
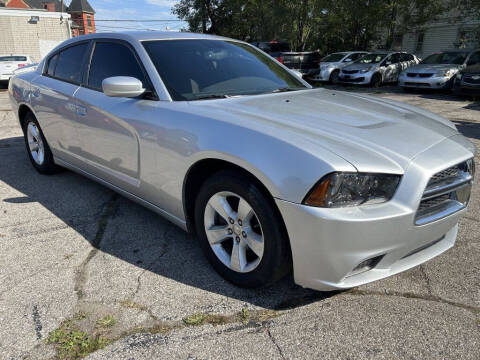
37,147
376,81
240,231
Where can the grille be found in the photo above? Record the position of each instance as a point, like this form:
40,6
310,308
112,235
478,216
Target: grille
426,75
350,71
449,174
447,192
432,203
417,84
469,79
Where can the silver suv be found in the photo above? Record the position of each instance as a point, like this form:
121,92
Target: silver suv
331,65
377,68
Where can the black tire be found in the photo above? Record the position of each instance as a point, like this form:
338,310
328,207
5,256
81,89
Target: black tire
276,260
48,166
376,81
334,77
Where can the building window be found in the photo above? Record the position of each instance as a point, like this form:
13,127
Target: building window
89,20
419,45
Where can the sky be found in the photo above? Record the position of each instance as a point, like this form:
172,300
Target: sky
135,10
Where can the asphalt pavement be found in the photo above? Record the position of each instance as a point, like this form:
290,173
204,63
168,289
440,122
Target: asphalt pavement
82,268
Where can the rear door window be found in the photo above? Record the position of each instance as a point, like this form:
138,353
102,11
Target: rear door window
69,64
113,59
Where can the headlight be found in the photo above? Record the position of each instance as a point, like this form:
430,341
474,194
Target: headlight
366,70
445,73
352,189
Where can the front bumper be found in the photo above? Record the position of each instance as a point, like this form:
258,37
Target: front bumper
323,75
358,78
328,244
433,82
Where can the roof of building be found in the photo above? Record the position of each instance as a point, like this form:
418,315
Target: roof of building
80,6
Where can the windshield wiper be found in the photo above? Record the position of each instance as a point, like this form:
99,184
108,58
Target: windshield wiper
211,96
287,89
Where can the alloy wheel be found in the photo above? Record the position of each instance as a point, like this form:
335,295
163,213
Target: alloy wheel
234,232
35,143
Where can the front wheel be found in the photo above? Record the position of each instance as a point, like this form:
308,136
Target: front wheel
334,77
240,231
376,81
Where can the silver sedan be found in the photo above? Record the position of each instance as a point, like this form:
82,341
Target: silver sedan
376,69
225,142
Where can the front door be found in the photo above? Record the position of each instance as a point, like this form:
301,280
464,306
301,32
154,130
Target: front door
110,145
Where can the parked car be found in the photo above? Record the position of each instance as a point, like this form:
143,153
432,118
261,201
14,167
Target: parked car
331,65
10,63
303,64
268,172
377,68
273,48
467,81
436,71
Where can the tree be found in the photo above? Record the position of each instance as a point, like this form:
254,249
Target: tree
313,24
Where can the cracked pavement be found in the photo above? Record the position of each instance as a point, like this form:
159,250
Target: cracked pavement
71,246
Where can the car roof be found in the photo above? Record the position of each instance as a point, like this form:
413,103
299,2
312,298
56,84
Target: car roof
133,36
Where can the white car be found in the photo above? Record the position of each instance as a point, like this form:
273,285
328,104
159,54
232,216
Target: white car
10,63
331,65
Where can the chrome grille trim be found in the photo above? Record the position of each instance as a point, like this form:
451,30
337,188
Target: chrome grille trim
447,192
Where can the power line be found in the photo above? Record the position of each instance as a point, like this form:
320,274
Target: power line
136,20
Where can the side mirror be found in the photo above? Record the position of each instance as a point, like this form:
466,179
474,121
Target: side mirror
388,63
122,86
297,73
348,60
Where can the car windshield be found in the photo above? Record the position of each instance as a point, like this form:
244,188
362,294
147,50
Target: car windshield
371,59
454,57
333,57
13,58
207,69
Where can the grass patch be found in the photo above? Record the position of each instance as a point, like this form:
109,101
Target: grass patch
71,343
129,304
106,322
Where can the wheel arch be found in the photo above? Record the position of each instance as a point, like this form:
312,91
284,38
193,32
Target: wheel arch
23,110
201,170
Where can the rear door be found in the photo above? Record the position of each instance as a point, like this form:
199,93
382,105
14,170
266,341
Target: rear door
110,145
53,103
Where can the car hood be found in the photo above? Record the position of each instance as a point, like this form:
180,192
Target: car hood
429,68
372,134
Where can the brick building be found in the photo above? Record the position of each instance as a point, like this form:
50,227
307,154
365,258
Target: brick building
81,12
32,32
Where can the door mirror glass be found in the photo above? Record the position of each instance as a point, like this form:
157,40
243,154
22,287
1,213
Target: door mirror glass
348,60
122,86
388,62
